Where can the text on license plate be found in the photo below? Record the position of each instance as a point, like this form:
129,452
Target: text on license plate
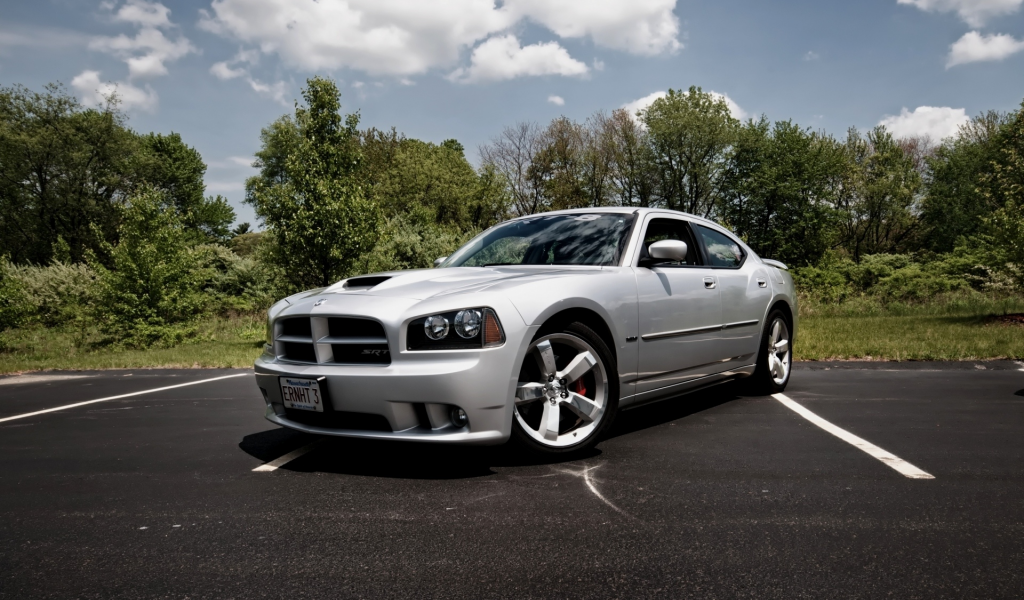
303,394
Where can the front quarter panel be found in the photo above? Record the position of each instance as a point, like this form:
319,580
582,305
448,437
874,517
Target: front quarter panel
610,292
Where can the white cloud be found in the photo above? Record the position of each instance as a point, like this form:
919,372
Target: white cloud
144,14
556,100
974,12
646,27
276,91
94,92
224,70
502,57
409,37
232,162
642,103
975,47
145,53
811,55
933,122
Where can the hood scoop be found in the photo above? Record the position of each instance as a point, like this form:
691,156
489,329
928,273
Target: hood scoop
365,283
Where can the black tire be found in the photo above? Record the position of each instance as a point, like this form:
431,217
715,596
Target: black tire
525,441
763,382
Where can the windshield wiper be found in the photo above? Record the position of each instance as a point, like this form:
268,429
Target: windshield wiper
498,264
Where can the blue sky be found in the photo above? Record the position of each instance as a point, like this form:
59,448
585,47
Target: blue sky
216,72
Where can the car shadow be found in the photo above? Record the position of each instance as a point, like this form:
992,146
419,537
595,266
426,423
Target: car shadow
675,408
391,459
410,460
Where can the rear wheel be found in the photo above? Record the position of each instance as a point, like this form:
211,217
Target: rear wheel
568,392
775,357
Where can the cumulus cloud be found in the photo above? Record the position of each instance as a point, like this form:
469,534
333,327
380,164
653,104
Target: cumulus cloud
645,27
502,57
556,100
641,103
975,47
276,91
933,122
147,52
973,12
239,66
811,55
94,92
144,14
405,37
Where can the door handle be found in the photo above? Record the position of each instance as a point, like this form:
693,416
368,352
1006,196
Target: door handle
709,283
761,282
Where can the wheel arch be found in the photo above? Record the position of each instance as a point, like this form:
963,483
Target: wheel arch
586,316
782,305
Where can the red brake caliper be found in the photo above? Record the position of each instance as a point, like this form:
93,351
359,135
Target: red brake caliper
579,387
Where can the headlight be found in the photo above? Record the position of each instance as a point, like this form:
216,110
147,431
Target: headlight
474,328
467,323
436,327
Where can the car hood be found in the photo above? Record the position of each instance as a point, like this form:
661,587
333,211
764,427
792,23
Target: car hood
420,284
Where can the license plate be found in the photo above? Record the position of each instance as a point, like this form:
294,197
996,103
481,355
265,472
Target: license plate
302,394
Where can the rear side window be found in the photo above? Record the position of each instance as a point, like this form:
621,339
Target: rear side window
723,251
670,229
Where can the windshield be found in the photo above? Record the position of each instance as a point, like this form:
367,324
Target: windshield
574,239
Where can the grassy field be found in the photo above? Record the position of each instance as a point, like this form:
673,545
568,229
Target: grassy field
958,329
222,342
952,330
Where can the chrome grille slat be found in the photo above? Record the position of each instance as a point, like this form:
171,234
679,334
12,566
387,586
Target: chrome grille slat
331,341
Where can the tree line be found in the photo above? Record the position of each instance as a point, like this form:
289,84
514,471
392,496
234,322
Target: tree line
112,228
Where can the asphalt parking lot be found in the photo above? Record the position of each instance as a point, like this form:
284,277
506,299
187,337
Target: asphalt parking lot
174,494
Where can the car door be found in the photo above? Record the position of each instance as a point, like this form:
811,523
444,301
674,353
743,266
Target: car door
679,308
745,292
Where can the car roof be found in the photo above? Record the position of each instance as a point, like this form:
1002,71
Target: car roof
641,211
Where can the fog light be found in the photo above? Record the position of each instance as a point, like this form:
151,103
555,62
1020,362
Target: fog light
459,418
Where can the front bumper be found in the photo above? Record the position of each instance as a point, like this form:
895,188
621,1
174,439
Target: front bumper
414,394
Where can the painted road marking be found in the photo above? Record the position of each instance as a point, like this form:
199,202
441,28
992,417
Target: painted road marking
23,379
287,458
77,404
905,468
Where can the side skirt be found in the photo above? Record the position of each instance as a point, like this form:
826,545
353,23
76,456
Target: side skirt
686,387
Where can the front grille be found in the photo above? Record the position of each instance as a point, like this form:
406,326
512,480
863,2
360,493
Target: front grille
332,341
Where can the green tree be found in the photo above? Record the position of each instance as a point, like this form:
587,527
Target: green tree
880,195
152,294
64,171
317,211
781,186
1004,187
167,164
691,134
958,195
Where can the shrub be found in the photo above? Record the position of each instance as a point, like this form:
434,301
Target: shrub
15,307
153,294
61,293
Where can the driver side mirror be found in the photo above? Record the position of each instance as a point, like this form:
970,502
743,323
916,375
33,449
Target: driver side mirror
437,263
667,251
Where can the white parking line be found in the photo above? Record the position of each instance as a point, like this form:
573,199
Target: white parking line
905,468
287,458
77,404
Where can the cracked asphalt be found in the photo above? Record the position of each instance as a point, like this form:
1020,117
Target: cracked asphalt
712,495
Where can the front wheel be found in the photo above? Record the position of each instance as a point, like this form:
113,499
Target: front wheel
567,393
775,356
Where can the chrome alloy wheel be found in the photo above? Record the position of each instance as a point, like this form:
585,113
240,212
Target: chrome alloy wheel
780,359
560,407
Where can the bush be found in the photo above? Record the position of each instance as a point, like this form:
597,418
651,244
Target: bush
410,245
15,307
153,295
61,294
240,283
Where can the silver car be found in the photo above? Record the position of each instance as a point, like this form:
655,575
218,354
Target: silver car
540,329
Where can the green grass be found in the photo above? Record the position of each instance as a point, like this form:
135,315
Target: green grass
222,342
957,328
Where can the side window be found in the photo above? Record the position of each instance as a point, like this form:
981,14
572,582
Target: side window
723,251
670,229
